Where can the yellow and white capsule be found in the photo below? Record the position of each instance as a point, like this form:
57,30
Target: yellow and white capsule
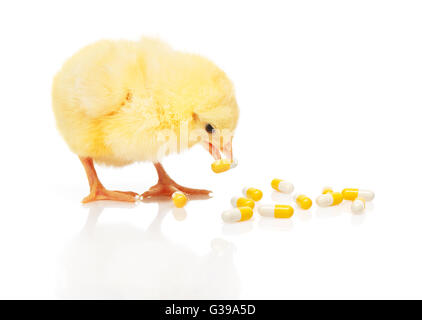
252,193
303,201
282,186
352,194
329,198
237,214
179,199
276,210
223,165
238,202
358,205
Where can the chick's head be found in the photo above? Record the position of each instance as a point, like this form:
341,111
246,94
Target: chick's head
215,118
198,93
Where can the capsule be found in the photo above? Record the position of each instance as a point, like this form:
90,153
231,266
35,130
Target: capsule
303,201
329,198
223,165
179,199
252,193
276,210
282,186
237,214
242,202
358,205
352,194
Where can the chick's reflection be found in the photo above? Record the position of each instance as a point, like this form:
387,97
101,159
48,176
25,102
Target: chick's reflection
122,261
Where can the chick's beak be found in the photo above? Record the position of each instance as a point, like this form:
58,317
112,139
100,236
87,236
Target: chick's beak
226,149
214,151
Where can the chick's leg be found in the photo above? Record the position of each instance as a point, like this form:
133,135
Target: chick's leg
97,190
166,186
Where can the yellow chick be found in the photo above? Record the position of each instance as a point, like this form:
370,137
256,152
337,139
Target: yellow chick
119,102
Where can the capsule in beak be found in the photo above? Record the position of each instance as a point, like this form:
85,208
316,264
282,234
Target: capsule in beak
222,165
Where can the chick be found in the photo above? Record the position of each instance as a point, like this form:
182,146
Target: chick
119,102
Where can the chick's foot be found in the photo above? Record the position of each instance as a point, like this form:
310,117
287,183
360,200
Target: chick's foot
159,191
166,186
165,191
104,194
98,192
193,192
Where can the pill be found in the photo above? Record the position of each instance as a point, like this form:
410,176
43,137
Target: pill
237,214
276,211
352,194
329,198
223,165
282,186
179,199
242,202
358,205
252,193
303,201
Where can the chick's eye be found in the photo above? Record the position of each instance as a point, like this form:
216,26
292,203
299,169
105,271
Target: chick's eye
209,128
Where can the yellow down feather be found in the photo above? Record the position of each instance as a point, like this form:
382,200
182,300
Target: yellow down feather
114,101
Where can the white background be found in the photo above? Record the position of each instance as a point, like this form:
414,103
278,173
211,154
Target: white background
329,93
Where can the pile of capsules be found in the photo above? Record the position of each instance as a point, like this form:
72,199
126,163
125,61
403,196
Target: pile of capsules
243,206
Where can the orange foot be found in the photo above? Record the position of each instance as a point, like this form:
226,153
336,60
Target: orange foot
104,194
165,190
166,186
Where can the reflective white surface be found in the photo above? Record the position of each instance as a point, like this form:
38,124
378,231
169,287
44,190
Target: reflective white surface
58,248
329,94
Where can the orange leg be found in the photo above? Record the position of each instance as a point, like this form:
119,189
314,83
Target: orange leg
166,186
98,192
